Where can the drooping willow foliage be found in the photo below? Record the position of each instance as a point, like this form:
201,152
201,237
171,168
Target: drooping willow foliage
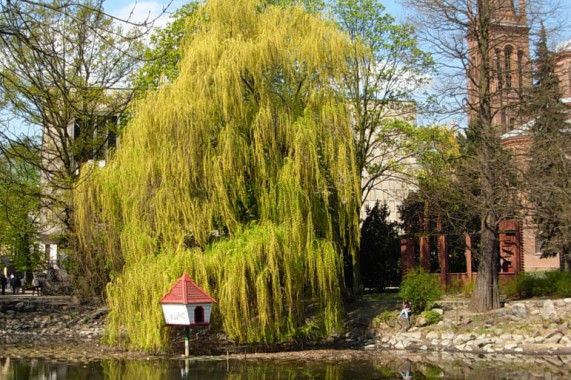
240,173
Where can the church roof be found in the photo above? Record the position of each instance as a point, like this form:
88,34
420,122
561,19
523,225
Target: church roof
564,46
520,131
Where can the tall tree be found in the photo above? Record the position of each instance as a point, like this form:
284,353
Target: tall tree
380,249
19,205
240,173
162,55
547,180
63,76
465,36
386,69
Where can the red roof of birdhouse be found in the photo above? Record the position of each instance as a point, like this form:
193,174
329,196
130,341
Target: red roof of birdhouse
185,291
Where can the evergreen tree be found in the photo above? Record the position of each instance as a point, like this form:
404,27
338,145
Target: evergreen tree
380,255
549,169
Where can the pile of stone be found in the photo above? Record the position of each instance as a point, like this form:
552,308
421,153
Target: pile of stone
33,322
531,327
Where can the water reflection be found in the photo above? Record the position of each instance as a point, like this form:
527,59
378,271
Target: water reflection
405,373
382,367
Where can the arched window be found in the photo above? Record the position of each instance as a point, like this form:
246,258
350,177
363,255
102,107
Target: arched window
198,314
508,65
475,77
499,68
520,69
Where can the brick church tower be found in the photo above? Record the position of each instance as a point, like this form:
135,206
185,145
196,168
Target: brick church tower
510,63
510,78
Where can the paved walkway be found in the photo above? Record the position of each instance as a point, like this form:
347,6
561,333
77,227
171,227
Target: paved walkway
27,296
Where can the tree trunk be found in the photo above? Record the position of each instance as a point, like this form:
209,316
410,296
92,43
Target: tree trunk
486,293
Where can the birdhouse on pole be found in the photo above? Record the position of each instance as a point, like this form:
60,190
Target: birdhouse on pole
186,304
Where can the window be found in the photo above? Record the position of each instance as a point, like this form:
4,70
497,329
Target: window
499,68
93,138
507,64
520,69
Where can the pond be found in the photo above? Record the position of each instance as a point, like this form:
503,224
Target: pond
381,366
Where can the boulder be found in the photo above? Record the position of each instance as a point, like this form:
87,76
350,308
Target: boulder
518,310
548,310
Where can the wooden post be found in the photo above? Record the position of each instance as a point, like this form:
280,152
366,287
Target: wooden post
407,255
425,240
469,257
442,255
425,253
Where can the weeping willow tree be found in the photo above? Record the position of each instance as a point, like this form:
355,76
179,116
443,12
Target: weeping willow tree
240,173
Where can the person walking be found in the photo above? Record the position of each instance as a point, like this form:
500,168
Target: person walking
16,284
4,282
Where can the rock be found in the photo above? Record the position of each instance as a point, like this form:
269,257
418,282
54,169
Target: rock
482,342
464,338
554,339
421,322
518,310
433,335
439,311
447,335
548,309
552,333
412,334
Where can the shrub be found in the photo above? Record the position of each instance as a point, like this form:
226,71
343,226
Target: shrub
422,289
385,317
431,317
526,285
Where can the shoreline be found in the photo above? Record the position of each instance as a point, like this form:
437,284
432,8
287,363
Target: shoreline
521,328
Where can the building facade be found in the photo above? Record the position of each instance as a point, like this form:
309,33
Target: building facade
511,78
395,185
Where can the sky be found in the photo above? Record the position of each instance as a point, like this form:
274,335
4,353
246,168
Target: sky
140,10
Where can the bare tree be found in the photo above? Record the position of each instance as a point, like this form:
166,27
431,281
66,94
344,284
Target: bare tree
63,76
482,49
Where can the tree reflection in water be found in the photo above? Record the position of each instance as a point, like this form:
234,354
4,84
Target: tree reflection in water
382,367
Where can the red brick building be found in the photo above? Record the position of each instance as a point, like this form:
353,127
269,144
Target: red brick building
510,79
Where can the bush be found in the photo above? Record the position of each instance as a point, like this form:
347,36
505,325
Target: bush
540,284
431,317
385,317
422,289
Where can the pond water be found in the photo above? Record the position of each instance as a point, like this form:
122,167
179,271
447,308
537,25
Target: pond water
463,367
